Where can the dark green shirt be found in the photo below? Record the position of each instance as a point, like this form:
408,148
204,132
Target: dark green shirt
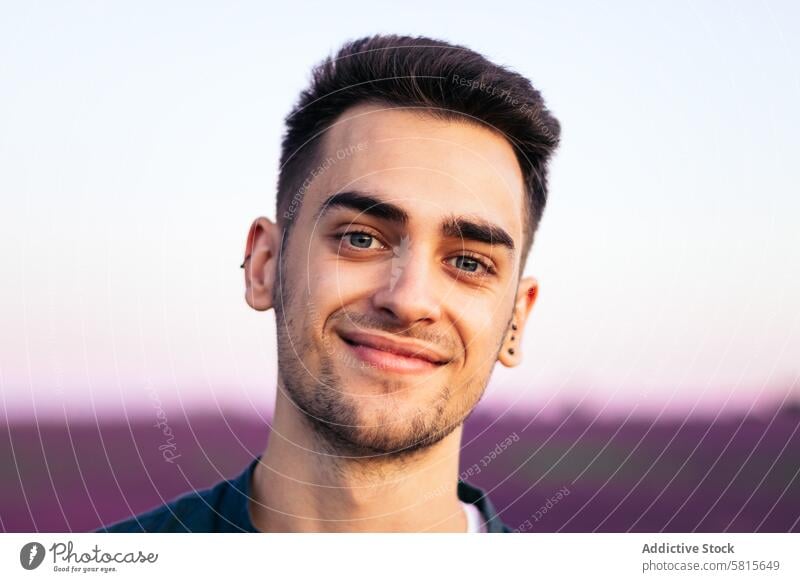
224,508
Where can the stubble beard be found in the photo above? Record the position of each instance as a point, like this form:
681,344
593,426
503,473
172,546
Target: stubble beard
335,416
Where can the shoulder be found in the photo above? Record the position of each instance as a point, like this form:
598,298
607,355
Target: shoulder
220,508
190,512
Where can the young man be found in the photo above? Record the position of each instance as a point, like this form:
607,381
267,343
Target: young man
413,179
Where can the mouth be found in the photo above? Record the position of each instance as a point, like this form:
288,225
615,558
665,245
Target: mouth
385,354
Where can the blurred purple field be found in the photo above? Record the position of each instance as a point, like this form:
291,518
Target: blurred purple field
737,474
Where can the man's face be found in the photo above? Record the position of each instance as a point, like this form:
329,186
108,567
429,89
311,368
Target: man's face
399,278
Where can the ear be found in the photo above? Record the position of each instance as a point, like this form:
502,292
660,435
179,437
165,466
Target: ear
511,350
261,263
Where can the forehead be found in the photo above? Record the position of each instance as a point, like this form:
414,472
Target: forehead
430,167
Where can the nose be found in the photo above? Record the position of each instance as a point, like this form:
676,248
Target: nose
410,293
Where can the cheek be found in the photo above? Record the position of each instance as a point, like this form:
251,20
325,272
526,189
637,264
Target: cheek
478,315
481,349
477,323
338,283
328,288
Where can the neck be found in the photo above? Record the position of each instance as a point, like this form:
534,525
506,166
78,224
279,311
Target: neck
301,486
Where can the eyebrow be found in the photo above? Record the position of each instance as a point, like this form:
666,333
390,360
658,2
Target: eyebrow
477,230
473,229
366,204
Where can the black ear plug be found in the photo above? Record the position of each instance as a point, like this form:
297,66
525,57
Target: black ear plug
245,260
511,351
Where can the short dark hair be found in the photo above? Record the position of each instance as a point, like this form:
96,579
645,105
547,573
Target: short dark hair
445,80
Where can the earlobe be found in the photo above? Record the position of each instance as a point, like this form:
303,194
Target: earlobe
260,263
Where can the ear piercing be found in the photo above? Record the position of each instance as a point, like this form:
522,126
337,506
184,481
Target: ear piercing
513,337
245,260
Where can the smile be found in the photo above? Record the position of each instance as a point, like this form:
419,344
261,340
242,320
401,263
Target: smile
381,353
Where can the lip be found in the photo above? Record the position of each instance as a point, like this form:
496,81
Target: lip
388,354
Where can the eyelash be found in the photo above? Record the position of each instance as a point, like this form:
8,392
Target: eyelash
477,258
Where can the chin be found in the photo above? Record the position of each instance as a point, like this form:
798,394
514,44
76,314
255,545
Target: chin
367,413
381,425
398,441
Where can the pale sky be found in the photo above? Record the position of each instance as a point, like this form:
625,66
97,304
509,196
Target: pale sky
139,140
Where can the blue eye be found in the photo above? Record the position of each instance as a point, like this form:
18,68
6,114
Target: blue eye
471,265
360,240
467,263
